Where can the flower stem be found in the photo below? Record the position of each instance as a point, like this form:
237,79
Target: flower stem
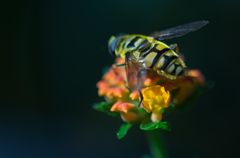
156,144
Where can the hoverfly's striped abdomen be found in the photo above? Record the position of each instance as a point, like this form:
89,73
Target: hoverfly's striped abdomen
154,54
164,61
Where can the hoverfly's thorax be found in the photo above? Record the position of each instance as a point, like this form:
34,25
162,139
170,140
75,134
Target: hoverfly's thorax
129,44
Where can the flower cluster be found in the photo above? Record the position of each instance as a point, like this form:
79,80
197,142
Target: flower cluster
158,93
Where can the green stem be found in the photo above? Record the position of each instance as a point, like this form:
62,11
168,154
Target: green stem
156,144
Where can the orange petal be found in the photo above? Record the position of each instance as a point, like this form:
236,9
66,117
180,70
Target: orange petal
122,107
197,76
103,87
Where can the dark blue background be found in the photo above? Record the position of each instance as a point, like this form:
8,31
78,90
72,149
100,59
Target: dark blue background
52,55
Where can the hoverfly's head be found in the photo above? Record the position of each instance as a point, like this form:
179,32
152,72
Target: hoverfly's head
113,45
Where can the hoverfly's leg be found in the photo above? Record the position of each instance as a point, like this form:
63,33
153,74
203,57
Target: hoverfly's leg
120,65
141,75
141,98
174,47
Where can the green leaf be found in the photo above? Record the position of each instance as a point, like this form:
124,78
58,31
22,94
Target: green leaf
146,126
123,130
105,107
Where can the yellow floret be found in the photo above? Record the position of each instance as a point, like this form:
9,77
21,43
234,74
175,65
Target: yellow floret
155,98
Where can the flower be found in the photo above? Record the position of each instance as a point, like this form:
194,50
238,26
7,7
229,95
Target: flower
155,99
158,92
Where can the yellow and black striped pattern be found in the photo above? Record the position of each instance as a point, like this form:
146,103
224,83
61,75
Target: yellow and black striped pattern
153,54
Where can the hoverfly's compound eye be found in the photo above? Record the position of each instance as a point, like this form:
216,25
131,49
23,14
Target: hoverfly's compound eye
112,45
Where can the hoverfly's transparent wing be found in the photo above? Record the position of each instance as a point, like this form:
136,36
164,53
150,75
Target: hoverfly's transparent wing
136,73
179,31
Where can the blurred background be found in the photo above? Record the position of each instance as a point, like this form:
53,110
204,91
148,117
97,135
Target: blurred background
52,55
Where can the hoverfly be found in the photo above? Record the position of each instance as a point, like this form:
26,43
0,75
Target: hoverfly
148,53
